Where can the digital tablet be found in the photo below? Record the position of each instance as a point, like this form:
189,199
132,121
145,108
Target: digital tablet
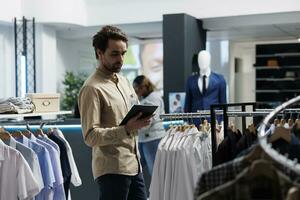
147,110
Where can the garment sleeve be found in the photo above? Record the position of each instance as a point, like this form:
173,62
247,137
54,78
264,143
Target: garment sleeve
89,102
27,184
187,102
222,91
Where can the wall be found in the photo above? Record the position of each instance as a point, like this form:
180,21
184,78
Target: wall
219,51
9,10
7,64
45,59
76,56
100,12
242,84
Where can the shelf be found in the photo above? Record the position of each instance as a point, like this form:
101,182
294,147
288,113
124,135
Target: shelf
277,79
277,55
10,116
276,91
276,67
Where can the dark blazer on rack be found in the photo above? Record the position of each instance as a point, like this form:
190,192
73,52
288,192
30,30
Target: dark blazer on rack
215,93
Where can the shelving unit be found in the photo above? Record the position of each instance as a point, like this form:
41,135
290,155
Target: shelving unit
277,73
13,116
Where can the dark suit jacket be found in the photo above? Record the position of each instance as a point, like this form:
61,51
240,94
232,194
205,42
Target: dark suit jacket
215,93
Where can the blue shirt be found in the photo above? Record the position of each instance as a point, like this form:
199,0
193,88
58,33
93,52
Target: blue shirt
45,164
59,192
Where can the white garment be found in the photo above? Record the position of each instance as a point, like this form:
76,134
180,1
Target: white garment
36,169
17,180
180,158
155,130
75,177
158,174
181,175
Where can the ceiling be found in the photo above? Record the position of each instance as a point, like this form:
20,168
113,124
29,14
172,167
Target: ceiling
262,27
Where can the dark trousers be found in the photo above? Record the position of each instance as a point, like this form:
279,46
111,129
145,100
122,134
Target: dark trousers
121,187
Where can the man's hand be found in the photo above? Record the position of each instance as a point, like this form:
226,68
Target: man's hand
135,123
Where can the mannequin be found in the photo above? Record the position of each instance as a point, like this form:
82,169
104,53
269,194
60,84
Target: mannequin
204,59
205,88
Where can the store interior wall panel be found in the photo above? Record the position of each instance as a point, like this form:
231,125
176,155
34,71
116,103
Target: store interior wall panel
183,37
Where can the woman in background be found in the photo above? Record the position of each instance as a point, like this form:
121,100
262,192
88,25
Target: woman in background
150,136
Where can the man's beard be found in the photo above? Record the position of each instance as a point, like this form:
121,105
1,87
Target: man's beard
114,68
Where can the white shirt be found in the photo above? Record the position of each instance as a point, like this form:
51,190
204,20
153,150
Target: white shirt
17,180
200,80
159,169
36,170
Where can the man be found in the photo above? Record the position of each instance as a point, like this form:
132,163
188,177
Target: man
104,100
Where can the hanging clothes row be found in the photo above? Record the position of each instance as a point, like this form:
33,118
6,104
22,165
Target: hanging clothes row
182,155
259,172
177,166
48,165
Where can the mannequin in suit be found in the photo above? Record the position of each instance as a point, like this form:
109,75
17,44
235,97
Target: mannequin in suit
205,88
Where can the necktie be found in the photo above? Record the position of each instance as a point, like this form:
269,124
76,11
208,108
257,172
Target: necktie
204,84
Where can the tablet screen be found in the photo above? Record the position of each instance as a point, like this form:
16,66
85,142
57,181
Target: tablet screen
136,109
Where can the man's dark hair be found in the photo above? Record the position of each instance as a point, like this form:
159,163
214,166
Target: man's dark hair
100,40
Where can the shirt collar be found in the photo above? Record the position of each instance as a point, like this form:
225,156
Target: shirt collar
32,137
12,143
25,141
107,74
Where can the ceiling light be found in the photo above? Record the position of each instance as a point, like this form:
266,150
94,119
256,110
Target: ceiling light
298,39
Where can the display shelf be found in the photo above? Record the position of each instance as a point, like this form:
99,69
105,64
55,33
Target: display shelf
276,91
276,79
276,67
277,55
12,116
277,70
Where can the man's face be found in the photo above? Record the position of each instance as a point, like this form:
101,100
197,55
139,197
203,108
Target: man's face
152,63
113,57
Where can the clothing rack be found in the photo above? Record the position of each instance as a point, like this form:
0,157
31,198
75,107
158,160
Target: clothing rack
262,139
225,111
224,108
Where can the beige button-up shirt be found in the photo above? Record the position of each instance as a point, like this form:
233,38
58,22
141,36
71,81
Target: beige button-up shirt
104,100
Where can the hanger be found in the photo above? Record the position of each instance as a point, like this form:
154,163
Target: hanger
232,127
28,127
282,122
263,168
252,129
42,124
281,133
39,132
50,131
4,135
276,122
290,122
17,134
27,133
256,153
2,129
